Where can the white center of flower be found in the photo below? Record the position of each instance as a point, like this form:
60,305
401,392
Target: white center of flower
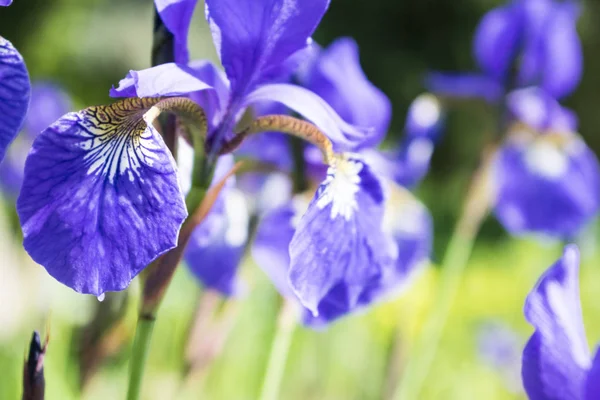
426,110
533,108
237,218
340,188
546,160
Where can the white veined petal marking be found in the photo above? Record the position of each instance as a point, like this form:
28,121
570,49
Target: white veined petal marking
340,188
117,139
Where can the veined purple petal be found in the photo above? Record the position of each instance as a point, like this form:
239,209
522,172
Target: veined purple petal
464,86
339,240
100,199
592,384
536,108
546,188
556,358
177,15
270,248
163,80
343,135
217,244
338,78
254,37
563,61
496,40
48,103
14,93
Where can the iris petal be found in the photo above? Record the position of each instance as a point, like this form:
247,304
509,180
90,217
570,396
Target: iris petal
337,77
546,189
592,385
254,37
14,94
177,15
496,40
563,62
163,80
270,248
100,199
343,135
5,3
339,240
556,358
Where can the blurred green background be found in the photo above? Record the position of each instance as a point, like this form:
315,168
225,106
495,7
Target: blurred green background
87,46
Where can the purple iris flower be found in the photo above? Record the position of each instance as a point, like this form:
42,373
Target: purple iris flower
48,103
360,273
5,3
536,37
101,198
556,360
546,179
14,93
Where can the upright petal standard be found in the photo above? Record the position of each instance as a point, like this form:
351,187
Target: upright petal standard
100,199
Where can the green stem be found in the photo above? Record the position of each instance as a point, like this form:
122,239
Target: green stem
279,352
455,260
141,345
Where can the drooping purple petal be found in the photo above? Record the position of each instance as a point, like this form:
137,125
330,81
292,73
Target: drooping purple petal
177,15
592,384
339,240
343,135
534,107
254,37
217,245
270,248
14,93
556,358
337,77
163,80
563,61
546,187
48,103
464,86
100,198
496,40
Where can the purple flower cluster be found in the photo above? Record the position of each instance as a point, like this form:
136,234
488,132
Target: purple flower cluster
102,195
545,178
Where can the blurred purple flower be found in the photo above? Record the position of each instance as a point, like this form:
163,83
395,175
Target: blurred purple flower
556,361
48,103
5,3
101,197
546,179
500,347
536,37
14,93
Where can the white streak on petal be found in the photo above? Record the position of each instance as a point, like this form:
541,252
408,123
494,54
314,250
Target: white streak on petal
341,185
546,160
